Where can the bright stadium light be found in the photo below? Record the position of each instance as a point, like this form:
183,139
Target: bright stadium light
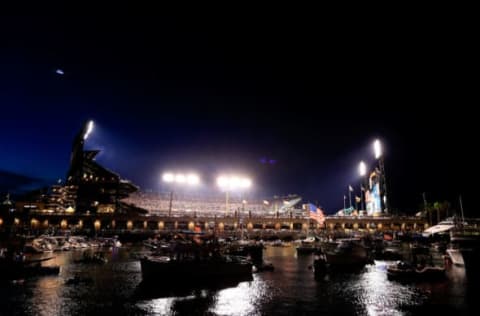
362,169
246,183
180,178
377,147
89,130
222,182
233,182
168,177
193,179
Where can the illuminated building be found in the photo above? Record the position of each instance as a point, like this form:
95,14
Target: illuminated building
98,190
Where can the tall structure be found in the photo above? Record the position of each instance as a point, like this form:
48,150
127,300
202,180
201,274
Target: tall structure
98,190
61,198
373,194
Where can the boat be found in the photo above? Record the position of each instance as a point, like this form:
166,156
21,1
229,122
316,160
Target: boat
391,251
307,246
17,267
194,259
162,268
455,256
403,271
442,227
464,248
348,253
253,250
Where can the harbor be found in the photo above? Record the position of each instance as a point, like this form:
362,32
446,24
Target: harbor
116,287
234,163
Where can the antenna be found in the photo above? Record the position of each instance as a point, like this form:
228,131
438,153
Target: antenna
461,208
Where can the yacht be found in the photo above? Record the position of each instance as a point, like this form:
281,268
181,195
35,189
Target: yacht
464,246
442,227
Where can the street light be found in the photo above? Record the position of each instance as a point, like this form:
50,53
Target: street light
232,183
190,179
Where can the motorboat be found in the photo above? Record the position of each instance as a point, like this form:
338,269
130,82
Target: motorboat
403,271
165,268
18,267
464,248
349,252
307,246
442,227
455,256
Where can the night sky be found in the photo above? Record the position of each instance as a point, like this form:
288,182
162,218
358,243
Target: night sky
287,99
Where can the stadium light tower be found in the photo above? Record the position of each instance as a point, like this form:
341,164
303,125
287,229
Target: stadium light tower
89,129
377,148
232,183
362,170
181,179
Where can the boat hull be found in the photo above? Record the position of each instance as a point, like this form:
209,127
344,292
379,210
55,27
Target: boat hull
160,270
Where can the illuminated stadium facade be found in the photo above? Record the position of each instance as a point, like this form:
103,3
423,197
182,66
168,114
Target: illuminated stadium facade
98,190
97,199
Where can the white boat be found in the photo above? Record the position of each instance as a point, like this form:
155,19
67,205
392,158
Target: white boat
456,256
465,246
443,227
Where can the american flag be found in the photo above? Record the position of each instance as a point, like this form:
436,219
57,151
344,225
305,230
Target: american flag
316,213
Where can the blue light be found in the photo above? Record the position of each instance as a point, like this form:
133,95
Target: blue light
59,71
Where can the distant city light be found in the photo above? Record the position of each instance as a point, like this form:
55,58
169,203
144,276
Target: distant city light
59,71
233,182
377,147
362,168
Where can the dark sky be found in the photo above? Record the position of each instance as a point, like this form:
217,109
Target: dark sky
214,93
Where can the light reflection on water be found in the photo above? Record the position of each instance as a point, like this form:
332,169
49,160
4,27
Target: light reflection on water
290,289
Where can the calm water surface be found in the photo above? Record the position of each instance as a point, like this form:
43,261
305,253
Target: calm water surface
116,289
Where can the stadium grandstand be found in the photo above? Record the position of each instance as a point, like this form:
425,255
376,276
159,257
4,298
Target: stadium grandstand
209,206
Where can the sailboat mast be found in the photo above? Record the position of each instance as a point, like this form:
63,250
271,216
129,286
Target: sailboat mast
461,208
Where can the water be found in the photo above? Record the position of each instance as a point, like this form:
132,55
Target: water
291,289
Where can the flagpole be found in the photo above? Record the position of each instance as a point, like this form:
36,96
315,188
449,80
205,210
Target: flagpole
344,200
361,197
350,196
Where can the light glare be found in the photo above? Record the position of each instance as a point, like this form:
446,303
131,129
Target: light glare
180,178
193,179
168,177
89,130
377,147
362,168
233,182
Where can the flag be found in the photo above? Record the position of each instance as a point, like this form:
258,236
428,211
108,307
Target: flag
350,188
317,214
358,199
